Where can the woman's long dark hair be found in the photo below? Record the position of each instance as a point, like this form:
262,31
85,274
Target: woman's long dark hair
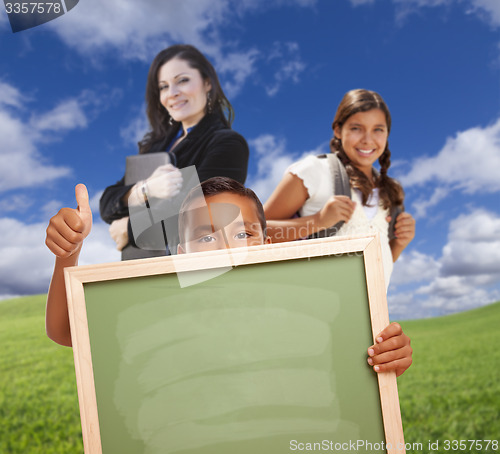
158,116
390,191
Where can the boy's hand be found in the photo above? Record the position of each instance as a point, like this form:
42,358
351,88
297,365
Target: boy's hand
69,227
392,350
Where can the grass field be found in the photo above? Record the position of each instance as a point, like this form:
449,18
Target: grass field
451,392
38,398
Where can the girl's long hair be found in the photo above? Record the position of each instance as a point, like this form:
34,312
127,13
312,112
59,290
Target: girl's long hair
390,191
159,118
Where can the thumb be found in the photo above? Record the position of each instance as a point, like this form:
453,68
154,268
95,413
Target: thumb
82,199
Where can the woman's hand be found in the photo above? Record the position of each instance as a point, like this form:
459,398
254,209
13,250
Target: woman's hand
392,350
119,232
337,208
69,227
165,182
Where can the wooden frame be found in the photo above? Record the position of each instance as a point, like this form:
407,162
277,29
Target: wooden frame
77,277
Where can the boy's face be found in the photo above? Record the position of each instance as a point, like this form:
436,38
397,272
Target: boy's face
227,221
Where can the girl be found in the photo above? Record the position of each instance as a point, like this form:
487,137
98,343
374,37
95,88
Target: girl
190,119
361,127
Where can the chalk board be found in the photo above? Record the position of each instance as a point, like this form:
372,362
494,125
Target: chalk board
255,358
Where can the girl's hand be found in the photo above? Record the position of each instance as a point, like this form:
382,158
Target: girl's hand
69,227
392,350
404,229
119,232
337,208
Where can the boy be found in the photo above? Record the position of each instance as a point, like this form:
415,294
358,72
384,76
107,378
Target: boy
230,216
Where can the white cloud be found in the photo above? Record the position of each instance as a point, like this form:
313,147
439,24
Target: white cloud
16,203
10,96
469,162
361,2
239,66
466,275
455,294
421,206
66,115
50,209
290,65
25,266
135,130
421,3
99,246
138,32
26,263
473,246
94,202
414,267
489,10
8,297
272,160
21,163
261,5
486,10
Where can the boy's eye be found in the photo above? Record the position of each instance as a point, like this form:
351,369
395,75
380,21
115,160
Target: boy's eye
206,239
242,235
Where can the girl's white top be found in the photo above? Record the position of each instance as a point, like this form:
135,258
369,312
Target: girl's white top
317,178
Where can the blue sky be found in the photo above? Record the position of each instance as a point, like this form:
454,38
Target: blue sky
72,108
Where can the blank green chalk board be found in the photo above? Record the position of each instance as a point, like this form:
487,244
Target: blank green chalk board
258,359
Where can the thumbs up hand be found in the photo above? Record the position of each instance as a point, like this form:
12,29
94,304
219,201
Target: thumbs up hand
69,227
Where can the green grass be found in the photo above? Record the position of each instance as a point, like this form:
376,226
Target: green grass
38,397
451,392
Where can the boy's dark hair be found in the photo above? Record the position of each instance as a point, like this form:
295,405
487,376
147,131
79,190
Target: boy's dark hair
219,185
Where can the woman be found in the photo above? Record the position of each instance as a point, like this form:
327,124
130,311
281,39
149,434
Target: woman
190,119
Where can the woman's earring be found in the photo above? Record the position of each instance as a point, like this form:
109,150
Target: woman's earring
209,103
171,121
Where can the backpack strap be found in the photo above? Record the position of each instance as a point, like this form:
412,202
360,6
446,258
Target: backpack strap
395,212
340,179
340,186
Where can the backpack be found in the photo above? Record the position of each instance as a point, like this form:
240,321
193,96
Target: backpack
341,186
